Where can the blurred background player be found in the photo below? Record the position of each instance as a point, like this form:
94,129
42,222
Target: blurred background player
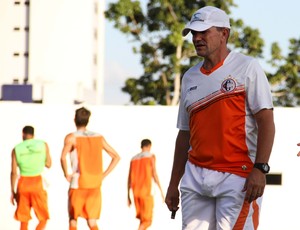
85,149
298,154
142,171
31,157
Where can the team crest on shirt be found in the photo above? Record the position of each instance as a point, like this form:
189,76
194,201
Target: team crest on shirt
228,85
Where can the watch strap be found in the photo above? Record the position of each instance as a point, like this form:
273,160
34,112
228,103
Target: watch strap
263,167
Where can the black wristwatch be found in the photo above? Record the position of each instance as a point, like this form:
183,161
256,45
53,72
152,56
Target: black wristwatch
264,167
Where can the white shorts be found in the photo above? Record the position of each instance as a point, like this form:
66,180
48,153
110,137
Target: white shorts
212,200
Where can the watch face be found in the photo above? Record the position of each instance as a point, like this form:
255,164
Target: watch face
265,167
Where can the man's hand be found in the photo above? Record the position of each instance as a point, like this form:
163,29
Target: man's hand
128,201
13,198
69,177
172,199
254,185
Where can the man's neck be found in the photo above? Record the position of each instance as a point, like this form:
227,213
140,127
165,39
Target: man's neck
27,137
210,62
81,128
146,149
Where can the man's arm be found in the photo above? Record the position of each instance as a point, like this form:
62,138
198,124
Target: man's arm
13,176
256,181
68,147
128,187
155,176
180,158
115,158
266,134
48,162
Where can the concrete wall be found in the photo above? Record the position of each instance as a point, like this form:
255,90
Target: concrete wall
124,127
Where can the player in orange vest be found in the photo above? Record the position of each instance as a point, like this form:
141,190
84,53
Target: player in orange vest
85,150
142,171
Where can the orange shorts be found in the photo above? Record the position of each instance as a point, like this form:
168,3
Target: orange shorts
31,194
144,208
85,203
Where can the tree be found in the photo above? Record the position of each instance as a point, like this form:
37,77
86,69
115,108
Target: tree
286,79
165,54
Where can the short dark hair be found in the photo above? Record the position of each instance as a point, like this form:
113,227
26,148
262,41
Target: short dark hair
28,130
82,116
145,142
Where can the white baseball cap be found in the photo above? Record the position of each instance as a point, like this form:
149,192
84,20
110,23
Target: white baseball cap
205,18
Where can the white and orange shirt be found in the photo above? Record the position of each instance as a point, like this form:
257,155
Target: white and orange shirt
86,160
218,108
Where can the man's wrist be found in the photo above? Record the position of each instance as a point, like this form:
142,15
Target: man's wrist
263,167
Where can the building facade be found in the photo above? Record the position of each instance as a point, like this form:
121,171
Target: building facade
52,51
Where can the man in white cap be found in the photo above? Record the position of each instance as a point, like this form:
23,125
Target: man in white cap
226,132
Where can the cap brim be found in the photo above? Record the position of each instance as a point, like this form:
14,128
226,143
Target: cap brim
196,26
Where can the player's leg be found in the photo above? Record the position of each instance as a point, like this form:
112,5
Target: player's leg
198,209
39,202
144,225
22,212
41,225
72,224
249,215
230,200
24,226
40,206
76,201
93,207
137,206
92,223
198,212
146,206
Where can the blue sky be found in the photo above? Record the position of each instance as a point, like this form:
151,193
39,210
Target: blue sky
277,21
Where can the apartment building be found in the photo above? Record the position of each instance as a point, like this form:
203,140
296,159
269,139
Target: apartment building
52,51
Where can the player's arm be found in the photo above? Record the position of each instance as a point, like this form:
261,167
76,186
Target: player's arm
68,147
48,162
256,181
115,158
13,176
266,134
180,158
155,176
129,186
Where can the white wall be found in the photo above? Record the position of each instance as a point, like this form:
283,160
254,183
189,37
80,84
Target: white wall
124,127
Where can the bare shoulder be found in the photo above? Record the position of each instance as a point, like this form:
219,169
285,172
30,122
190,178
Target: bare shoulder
103,139
153,158
70,138
46,144
13,152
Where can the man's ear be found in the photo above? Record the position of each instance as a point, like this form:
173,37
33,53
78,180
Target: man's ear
226,33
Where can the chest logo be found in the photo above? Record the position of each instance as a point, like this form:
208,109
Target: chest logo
228,85
192,88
